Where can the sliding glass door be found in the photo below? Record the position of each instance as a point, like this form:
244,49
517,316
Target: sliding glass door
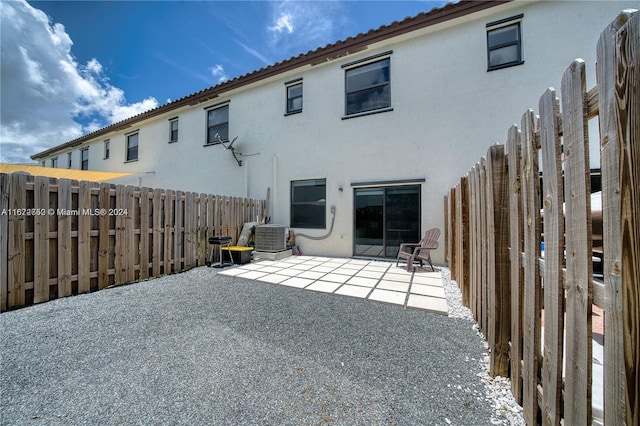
385,217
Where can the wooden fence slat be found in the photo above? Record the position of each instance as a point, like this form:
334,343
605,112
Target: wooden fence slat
553,258
516,242
469,292
453,258
482,293
476,257
577,407
121,238
41,241
64,238
158,234
614,372
627,66
104,243
84,237
499,308
5,182
169,228
131,209
202,229
531,297
178,234
145,212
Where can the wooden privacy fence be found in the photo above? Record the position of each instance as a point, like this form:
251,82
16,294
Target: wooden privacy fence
60,237
533,307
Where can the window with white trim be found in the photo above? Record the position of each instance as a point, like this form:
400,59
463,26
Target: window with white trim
54,162
106,149
84,159
294,97
173,130
69,158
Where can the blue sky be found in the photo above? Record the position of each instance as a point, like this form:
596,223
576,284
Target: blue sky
69,68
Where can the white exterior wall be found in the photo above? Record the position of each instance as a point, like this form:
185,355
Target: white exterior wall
447,111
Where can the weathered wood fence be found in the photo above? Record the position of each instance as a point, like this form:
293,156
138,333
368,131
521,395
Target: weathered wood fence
495,230
62,237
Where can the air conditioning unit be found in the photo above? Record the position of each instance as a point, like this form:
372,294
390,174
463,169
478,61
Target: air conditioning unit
271,238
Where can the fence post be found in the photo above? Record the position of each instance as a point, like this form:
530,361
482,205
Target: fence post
499,309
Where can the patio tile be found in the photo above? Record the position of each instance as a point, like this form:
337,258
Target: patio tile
253,266
270,269
314,275
322,268
353,291
363,281
405,278
297,282
324,286
351,267
388,296
321,259
431,304
379,264
368,273
393,285
344,271
252,275
231,271
427,290
273,278
428,280
290,272
336,278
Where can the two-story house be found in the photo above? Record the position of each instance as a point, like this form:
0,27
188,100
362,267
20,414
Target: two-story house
359,140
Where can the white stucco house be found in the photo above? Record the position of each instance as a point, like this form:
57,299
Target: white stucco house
359,140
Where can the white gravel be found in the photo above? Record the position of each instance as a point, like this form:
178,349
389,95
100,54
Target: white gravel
497,389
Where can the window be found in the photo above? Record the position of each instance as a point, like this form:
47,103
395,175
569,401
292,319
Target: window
69,157
132,147
173,130
504,43
218,125
106,149
294,98
84,159
42,163
368,87
308,203
54,162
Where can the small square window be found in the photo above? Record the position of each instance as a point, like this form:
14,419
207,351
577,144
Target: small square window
132,147
106,149
308,203
173,131
84,159
218,125
504,45
294,98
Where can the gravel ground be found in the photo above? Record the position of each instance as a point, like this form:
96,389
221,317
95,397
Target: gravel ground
198,348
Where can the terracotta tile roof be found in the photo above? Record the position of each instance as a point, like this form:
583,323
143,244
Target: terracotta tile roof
329,52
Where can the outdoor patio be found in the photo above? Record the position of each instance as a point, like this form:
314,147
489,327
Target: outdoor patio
366,279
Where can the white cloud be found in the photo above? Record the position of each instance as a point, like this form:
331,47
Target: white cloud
283,23
218,73
46,93
253,52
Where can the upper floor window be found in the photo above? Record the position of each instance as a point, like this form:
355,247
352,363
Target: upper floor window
42,163
132,147
294,97
308,203
504,43
368,87
173,130
54,162
218,125
84,159
69,158
106,149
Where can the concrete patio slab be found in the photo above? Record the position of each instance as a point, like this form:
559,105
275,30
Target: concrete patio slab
363,281
428,290
354,291
324,286
297,282
427,303
388,296
393,285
